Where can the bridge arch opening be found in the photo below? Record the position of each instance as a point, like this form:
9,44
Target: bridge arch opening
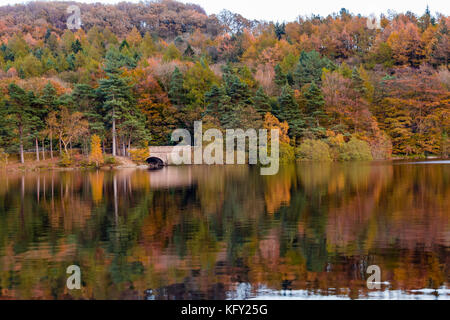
155,163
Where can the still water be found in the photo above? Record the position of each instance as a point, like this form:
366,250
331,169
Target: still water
227,232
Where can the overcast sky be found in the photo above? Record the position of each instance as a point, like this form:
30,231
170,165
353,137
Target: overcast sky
289,10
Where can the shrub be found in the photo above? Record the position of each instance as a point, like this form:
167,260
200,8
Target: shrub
287,153
316,150
139,155
335,141
88,164
355,149
110,160
65,161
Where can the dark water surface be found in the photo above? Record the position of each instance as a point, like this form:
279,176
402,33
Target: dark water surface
228,233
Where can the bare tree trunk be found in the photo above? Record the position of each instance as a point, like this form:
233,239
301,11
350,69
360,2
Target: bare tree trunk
51,146
22,159
60,146
113,134
123,149
43,149
37,149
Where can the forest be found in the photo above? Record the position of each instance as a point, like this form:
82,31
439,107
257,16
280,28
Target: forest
133,73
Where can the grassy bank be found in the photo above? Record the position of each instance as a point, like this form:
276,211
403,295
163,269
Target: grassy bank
77,162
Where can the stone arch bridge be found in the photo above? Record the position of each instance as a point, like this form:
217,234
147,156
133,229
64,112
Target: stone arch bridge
161,156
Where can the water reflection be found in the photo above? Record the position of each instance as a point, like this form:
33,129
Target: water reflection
226,232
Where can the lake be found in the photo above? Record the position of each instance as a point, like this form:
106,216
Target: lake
226,232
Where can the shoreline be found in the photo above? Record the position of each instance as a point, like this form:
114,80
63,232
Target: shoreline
127,163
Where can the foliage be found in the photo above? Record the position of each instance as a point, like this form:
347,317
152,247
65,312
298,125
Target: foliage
288,110
355,150
68,126
310,67
65,160
445,147
177,93
315,112
96,155
287,153
3,157
140,155
272,123
133,82
110,160
314,150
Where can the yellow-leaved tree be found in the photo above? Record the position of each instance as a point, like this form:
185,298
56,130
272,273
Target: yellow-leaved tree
286,150
96,155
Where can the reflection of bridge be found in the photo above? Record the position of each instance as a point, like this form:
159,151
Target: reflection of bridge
171,178
168,177
162,156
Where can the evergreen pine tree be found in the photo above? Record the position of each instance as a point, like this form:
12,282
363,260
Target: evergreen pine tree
49,97
76,46
237,90
289,111
261,102
358,82
115,93
280,78
20,111
124,44
314,108
310,67
6,132
219,106
87,103
189,52
280,30
177,93
213,100
36,120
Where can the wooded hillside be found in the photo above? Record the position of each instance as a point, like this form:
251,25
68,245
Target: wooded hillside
135,72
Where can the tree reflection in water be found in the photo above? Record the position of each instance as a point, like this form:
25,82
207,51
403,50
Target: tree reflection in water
225,232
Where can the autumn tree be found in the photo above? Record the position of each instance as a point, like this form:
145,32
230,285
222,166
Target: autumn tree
69,126
406,44
198,80
153,102
96,155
